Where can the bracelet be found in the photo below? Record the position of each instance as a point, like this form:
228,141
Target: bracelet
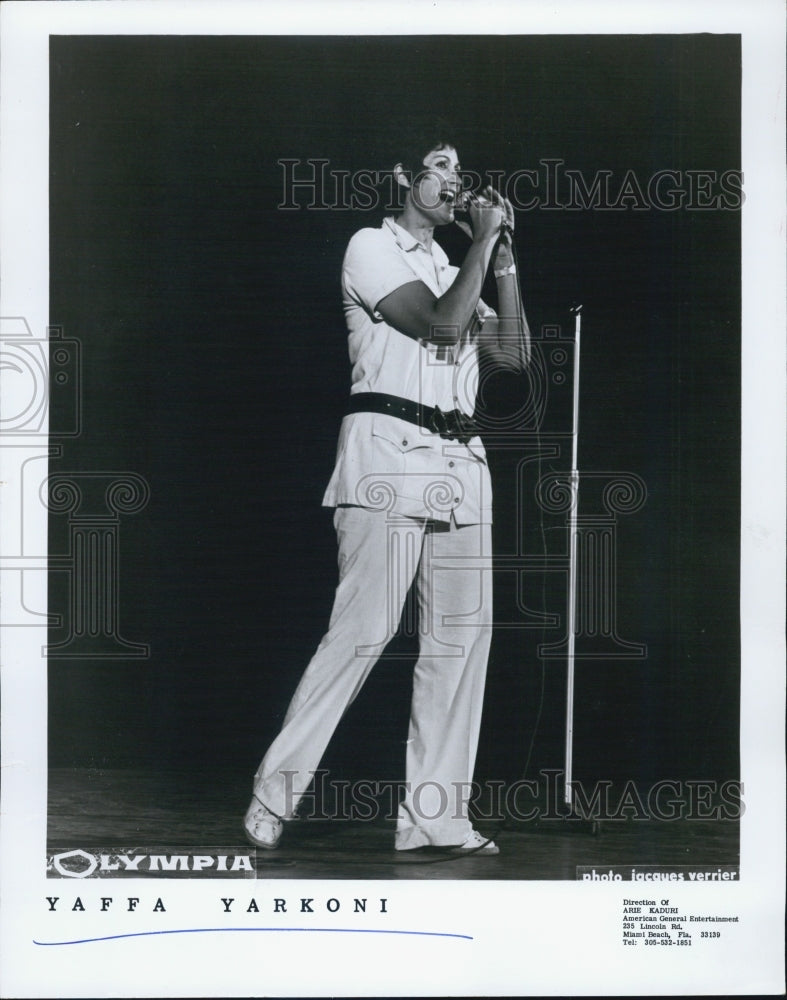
503,271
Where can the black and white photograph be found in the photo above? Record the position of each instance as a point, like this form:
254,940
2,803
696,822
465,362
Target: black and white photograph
393,455
270,295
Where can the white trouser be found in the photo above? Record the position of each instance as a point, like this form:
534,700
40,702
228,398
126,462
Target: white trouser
379,556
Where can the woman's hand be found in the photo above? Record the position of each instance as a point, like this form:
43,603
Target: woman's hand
487,214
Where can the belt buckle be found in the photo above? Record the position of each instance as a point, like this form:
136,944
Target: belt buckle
453,425
464,427
438,423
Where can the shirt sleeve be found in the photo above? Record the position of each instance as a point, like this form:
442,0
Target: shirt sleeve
482,310
373,268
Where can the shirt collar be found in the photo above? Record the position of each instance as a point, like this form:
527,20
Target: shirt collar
404,239
408,242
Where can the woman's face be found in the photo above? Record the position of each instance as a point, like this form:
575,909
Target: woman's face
435,190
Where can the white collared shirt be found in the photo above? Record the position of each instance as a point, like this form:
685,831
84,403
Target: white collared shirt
382,461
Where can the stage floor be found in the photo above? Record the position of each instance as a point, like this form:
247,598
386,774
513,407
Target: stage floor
165,812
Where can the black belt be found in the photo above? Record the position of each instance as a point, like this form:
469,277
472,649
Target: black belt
451,424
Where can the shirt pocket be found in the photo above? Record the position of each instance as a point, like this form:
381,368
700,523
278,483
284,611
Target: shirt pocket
403,438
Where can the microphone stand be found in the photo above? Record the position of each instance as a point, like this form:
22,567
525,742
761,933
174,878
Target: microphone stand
572,568
594,826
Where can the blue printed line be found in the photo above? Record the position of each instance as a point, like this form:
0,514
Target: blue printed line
255,930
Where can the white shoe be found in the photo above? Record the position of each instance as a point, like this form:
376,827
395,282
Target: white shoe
475,843
262,827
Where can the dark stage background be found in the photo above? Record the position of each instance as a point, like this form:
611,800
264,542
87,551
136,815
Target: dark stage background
214,366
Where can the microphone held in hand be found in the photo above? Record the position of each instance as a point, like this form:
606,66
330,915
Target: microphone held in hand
461,201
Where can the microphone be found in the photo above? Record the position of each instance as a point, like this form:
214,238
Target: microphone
461,202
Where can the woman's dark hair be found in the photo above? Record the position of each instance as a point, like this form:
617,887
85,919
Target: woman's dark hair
412,140
406,141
